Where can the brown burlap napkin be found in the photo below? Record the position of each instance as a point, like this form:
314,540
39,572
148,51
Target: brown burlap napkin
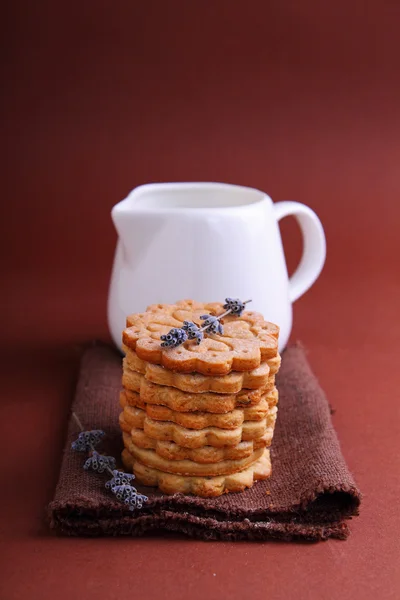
309,495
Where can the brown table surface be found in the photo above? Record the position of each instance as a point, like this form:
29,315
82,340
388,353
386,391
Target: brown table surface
299,99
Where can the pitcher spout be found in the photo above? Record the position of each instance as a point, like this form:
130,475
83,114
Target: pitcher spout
131,232
136,225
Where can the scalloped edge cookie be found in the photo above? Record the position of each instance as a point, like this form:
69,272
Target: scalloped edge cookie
247,341
175,399
204,455
199,419
194,382
205,487
135,418
150,458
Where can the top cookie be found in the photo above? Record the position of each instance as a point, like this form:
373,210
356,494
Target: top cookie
246,341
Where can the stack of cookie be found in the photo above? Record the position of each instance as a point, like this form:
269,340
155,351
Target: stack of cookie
199,417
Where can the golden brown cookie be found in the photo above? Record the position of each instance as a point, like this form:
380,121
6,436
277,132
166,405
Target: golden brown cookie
151,393
246,342
126,424
204,455
194,382
207,402
206,487
129,398
188,467
274,364
199,420
135,418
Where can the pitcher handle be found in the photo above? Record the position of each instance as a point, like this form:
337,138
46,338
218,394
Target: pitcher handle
314,246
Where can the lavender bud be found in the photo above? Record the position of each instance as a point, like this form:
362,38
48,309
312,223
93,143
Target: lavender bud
87,439
175,337
212,324
193,331
130,496
99,462
120,478
199,336
235,305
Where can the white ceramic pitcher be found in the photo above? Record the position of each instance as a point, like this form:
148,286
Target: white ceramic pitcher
207,241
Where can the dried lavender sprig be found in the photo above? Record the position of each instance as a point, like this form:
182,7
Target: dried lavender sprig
175,337
78,422
224,314
126,492
212,323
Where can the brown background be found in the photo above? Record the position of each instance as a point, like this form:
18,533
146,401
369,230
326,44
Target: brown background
300,99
